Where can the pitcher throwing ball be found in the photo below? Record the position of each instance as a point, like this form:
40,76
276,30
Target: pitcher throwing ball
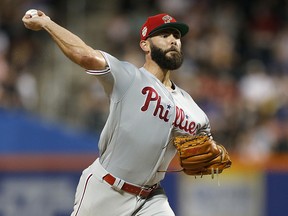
147,111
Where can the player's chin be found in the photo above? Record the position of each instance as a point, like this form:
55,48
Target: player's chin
174,54
175,63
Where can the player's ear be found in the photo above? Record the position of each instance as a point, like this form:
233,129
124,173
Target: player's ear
144,46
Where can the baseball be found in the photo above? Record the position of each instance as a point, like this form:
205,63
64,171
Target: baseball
32,13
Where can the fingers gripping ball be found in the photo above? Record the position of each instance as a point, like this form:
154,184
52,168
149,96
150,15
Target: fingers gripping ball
32,12
201,155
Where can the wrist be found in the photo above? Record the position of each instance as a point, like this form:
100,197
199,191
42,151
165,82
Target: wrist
46,24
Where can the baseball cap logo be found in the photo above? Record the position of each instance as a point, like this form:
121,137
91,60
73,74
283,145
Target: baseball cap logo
144,31
167,19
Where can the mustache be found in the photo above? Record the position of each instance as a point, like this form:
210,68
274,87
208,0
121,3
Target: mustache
172,49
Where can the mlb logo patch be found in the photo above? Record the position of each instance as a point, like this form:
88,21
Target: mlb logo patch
167,19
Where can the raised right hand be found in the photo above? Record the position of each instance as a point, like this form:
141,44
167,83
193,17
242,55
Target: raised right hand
35,23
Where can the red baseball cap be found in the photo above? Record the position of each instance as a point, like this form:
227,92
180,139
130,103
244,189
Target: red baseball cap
161,21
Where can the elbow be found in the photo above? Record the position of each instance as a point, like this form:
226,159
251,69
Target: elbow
92,63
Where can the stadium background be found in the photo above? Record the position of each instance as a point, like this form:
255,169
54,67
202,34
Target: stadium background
51,112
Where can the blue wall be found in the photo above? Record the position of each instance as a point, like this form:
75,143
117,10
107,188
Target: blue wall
276,194
21,132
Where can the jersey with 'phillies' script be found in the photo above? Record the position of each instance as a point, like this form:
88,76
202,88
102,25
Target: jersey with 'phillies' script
144,116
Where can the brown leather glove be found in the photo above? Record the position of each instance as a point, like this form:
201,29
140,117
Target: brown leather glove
200,155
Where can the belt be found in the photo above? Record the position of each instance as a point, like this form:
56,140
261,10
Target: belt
119,185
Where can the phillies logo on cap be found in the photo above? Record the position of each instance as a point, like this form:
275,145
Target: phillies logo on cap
167,19
144,31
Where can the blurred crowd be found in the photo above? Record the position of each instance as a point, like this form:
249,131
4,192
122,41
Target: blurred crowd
235,68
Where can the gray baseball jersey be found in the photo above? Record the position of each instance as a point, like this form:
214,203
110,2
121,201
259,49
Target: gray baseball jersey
136,141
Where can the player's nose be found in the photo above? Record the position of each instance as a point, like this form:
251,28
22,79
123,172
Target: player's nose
172,39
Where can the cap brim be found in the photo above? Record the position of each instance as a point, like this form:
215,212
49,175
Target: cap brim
181,27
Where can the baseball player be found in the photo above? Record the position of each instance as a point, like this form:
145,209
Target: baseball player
147,110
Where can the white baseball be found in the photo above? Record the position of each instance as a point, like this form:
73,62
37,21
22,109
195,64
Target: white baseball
32,13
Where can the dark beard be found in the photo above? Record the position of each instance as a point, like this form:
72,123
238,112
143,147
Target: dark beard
169,63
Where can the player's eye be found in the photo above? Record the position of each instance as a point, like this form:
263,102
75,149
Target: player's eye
165,35
177,35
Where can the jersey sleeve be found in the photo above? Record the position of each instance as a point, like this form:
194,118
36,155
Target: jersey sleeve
117,77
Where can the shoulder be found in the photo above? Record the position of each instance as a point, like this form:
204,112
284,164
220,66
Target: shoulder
114,66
